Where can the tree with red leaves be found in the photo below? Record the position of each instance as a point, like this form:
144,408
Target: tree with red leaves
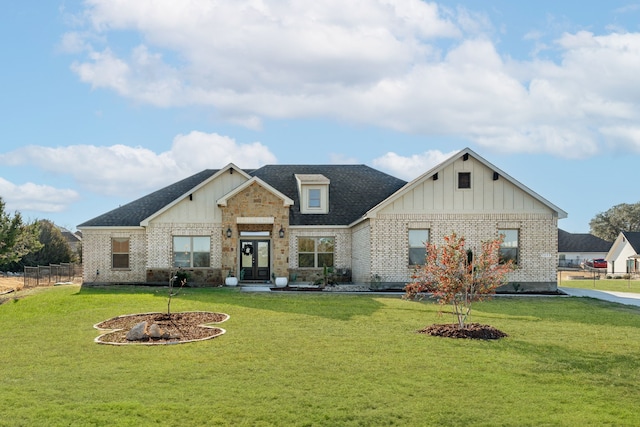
456,276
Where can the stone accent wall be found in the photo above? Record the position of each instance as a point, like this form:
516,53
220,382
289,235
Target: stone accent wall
538,243
255,201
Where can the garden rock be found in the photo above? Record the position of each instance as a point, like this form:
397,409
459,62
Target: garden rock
138,332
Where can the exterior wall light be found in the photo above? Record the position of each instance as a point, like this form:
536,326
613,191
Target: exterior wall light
229,232
281,232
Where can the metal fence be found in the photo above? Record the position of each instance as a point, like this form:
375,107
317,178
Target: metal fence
47,275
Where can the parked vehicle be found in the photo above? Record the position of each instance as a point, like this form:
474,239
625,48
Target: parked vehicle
597,263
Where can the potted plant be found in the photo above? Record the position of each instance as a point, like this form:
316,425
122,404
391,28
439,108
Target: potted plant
231,280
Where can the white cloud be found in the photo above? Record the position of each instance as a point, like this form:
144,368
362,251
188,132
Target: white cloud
409,168
407,65
120,170
30,196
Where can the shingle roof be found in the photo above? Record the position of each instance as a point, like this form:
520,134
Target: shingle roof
581,242
133,213
354,189
633,237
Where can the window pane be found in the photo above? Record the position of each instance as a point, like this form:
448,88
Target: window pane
181,244
305,260
510,238
464,180
120,261
306,244
507,254
509,248
418,238
181,259
417,256
325,260
201,244
314,198
263,254
325,244
201,259
120,245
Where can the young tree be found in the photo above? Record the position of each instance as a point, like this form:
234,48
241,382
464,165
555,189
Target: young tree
456,276
16,238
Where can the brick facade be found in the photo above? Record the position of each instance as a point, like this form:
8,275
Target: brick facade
537,243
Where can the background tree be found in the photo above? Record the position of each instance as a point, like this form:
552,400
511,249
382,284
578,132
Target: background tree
17,239
623,217
456,276
55,248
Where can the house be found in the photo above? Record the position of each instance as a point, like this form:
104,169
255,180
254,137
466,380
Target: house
293,220
574,249
73,239
624,255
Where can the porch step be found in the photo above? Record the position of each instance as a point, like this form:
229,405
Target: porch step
255,288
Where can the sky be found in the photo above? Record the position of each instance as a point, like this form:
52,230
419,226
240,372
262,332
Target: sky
105,101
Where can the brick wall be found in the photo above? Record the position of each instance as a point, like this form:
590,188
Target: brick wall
538,242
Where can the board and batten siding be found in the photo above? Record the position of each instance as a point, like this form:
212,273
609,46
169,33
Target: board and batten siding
475,213
485,195
202,206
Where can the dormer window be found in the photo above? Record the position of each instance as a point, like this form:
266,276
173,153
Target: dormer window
314,198
313,190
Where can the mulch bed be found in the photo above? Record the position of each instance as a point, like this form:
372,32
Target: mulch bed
182,327
469,331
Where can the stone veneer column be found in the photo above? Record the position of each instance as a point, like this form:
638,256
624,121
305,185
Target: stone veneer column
256,201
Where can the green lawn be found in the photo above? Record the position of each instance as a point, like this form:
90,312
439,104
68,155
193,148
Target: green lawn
318,359
620,285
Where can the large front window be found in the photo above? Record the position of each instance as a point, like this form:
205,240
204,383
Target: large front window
120,252
191,251
418,239
509,250
315,252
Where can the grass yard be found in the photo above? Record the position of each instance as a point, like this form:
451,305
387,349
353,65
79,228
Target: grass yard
619,285
318,359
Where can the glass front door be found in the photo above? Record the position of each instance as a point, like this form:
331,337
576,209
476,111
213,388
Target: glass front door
254,260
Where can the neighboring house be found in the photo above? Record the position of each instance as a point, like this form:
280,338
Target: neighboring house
574,249
624,255
292,220
74,239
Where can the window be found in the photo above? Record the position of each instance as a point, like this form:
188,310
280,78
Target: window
191,252
120,252
314,198
509,249
418,239
315,252
464,179
313,190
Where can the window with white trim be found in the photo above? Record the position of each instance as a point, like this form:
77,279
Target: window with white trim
120,252
510,247
191,251
315,252
418,239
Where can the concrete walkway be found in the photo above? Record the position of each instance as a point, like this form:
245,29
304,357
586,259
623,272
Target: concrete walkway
627,298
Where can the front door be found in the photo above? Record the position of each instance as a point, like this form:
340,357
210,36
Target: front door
254,260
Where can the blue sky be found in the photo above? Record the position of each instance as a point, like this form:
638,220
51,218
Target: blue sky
105,101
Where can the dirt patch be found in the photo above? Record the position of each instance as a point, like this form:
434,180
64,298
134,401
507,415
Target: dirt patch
8,283
181,327
469,331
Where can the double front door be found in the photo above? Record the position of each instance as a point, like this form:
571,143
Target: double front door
255,260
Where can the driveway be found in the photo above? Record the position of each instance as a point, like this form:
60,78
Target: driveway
627,298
